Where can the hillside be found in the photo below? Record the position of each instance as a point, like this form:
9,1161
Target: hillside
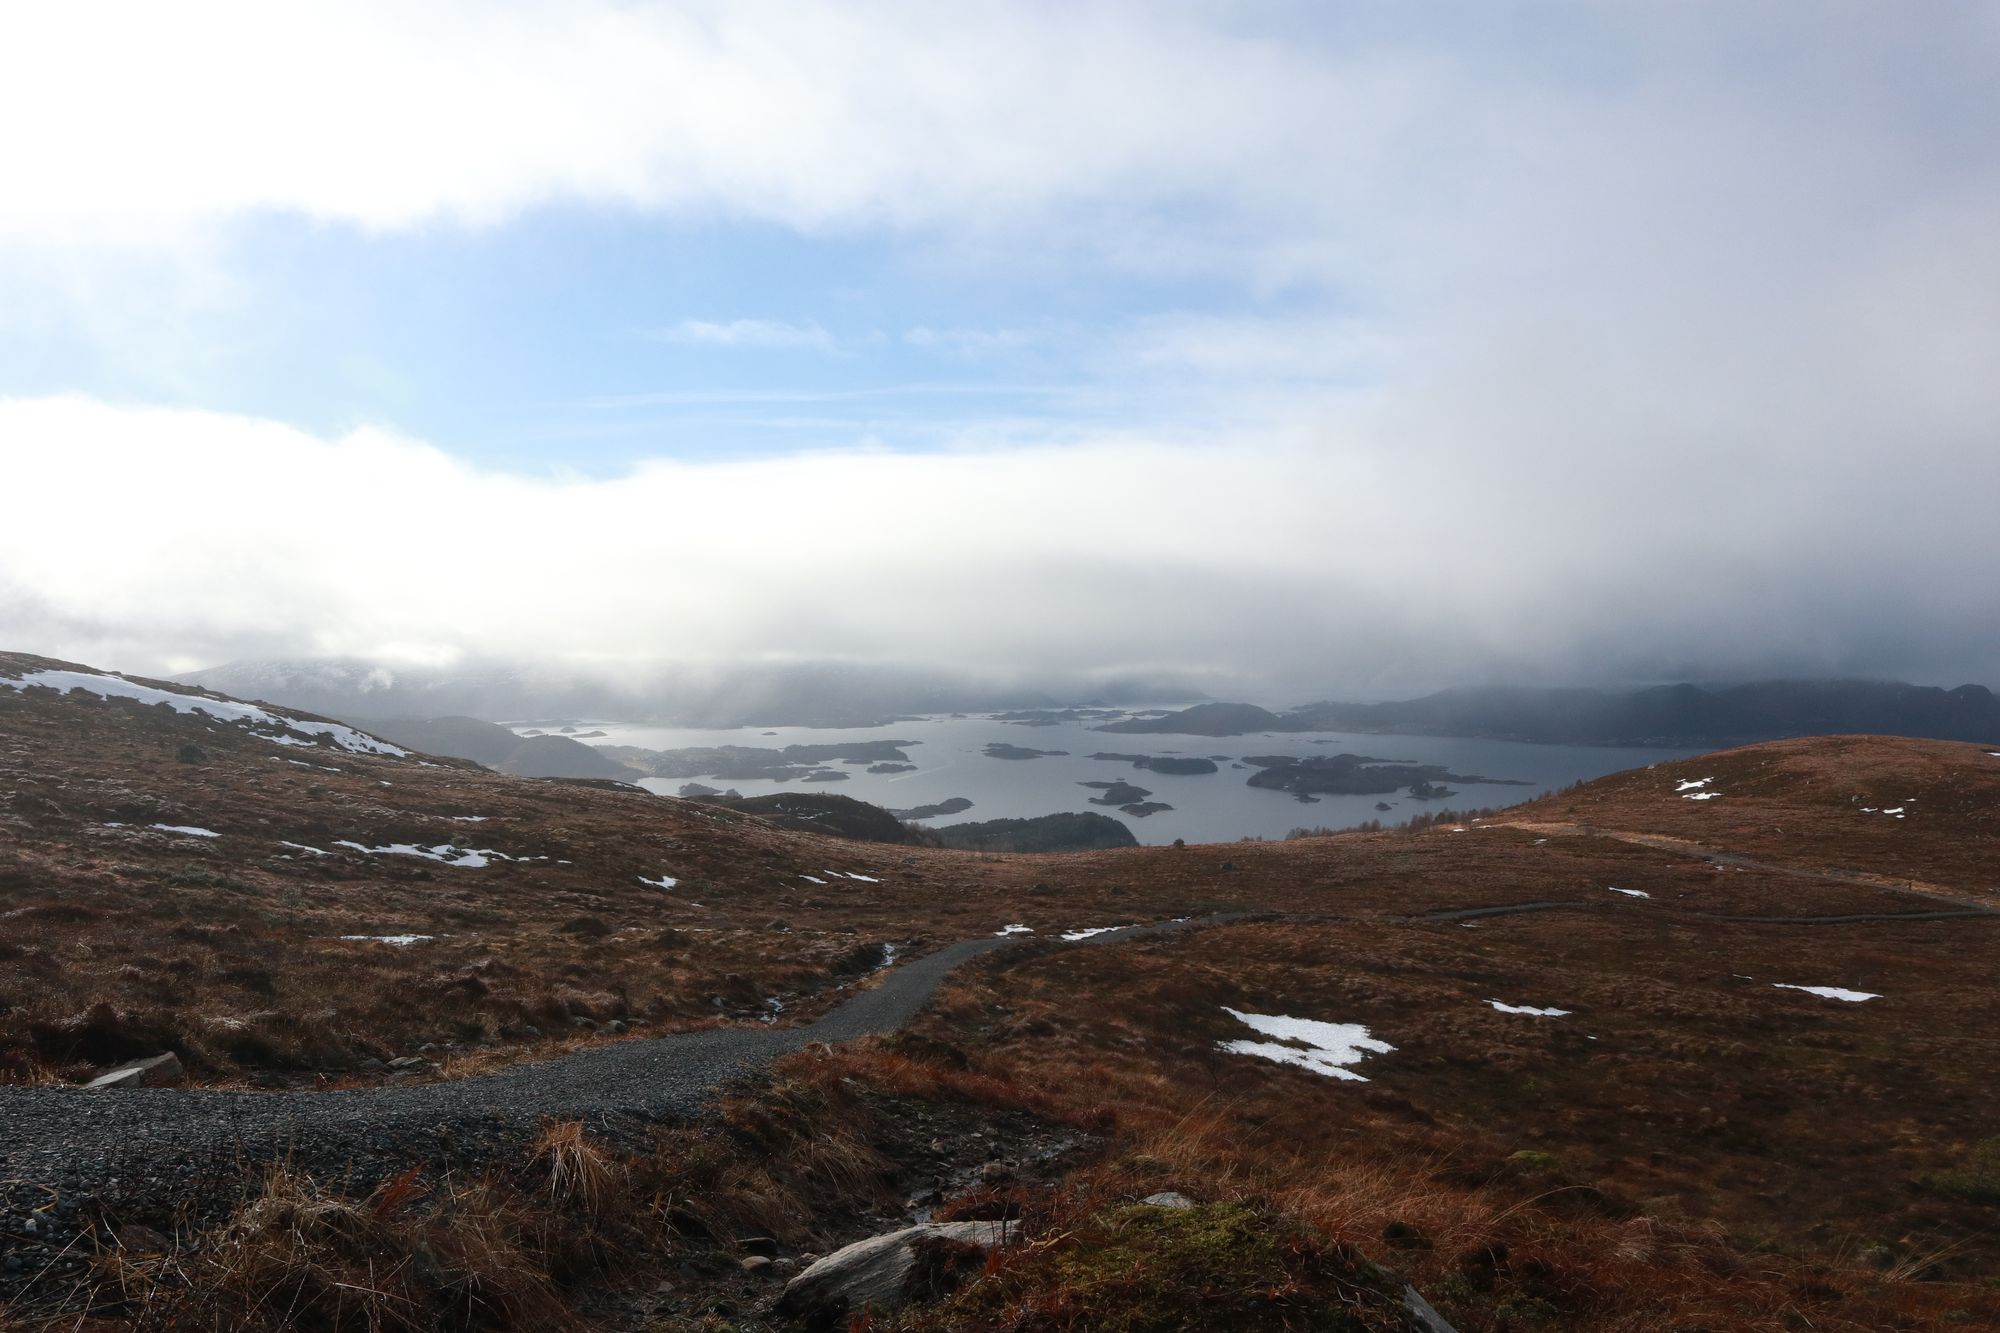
1619,1058
497,748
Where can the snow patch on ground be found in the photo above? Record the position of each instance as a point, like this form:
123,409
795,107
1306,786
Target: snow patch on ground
301,847
444,853
1015,930
1693,784
1701,796
188,829
1093,930
399,941
1830,992
1323,1048
295,732
663,882
812,879
1633,893
1528,1009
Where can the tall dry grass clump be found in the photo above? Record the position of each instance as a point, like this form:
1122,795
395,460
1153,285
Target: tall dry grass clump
300,1256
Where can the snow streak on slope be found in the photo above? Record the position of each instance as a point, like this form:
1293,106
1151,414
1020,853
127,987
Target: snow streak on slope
260,722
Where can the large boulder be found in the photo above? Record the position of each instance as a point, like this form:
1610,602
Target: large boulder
159,1071
886,1271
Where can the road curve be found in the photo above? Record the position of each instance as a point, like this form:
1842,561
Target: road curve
60,1146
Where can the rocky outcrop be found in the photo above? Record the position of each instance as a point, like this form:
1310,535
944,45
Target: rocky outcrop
887,1271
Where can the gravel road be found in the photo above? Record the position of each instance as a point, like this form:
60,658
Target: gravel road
145,1152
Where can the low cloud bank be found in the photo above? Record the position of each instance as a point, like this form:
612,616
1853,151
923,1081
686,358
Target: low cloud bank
1367,555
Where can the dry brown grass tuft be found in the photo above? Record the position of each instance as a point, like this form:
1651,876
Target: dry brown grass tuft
299,1256
581,1174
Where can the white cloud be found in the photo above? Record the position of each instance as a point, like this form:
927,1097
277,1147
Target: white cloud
1345,558
384,115
756,333
1680,325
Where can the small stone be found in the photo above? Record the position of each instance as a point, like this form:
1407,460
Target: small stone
1168,1199
139,1238
755,1263
996,1173
616,1025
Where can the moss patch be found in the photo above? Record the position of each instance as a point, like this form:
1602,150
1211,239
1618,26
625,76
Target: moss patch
1139,1269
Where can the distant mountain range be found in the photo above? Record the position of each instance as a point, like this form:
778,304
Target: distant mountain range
806,694
1668,715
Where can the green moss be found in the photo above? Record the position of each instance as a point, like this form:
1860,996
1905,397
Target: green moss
1976,1182
1140,1269
1528,1159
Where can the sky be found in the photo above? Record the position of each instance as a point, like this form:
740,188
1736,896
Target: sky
1344,347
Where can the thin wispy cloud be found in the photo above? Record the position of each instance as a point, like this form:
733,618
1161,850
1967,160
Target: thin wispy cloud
748,333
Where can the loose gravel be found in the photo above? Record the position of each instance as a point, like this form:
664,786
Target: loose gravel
68,1156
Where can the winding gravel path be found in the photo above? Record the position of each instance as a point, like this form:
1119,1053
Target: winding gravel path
146,1151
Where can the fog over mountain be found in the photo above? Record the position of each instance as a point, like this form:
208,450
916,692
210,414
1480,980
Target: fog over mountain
728,695
1308,351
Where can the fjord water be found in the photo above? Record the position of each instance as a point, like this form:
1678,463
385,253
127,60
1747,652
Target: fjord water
1214,807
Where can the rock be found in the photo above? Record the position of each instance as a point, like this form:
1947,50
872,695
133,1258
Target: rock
616,1025
403,1064
881,1271
1168,1199
760,1245
1427,1318
142,1239
996,1173
755,1263
160,1071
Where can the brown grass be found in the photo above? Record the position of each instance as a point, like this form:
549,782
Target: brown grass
1724,1155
